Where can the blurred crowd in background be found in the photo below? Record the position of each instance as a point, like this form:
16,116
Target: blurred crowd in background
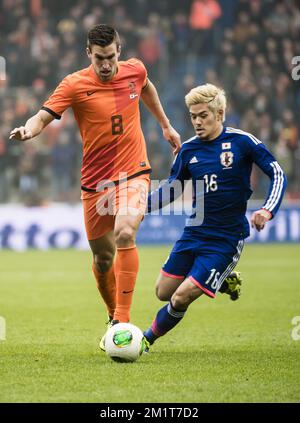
244,46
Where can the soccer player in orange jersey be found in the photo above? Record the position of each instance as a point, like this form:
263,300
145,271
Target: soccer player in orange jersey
105,101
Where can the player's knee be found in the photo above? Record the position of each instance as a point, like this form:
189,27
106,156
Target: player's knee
125,237
181,300
103,261
161,293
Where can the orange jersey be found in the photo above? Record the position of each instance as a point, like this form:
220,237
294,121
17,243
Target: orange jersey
108,117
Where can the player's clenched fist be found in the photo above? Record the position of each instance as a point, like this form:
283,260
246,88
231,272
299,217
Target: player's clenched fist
260,218
21,134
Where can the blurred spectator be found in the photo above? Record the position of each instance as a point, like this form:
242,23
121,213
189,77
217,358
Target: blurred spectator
149,50
203,15
62,165
29,173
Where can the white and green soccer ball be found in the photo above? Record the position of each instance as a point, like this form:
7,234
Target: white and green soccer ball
124,342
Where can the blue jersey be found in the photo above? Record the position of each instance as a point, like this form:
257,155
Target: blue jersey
224,164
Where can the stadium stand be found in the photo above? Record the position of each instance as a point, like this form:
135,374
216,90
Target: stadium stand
247,47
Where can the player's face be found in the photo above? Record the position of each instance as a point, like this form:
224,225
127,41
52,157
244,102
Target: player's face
104,60
207,125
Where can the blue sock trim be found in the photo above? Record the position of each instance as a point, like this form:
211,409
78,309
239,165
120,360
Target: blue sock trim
175,313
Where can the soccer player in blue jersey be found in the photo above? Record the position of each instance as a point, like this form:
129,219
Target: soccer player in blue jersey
206,253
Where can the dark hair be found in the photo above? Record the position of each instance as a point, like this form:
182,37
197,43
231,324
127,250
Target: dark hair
103,35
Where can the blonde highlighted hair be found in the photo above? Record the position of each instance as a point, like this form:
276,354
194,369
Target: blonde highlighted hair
213,96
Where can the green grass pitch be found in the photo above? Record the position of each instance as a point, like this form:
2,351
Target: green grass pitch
222,351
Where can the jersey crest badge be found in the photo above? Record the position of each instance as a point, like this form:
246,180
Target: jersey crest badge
226,159
132,87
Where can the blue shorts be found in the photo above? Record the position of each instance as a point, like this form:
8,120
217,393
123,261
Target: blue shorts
207,262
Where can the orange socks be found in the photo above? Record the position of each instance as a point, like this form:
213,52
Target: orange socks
106,284
126,269
119,291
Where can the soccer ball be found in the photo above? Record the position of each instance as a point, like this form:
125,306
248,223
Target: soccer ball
124,342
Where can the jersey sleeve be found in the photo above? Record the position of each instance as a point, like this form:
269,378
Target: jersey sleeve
142,72
60,99
269,165
172,188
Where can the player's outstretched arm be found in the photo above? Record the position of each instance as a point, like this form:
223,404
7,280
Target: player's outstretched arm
171,189
33,126
151,100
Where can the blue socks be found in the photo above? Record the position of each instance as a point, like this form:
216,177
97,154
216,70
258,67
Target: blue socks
166,319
